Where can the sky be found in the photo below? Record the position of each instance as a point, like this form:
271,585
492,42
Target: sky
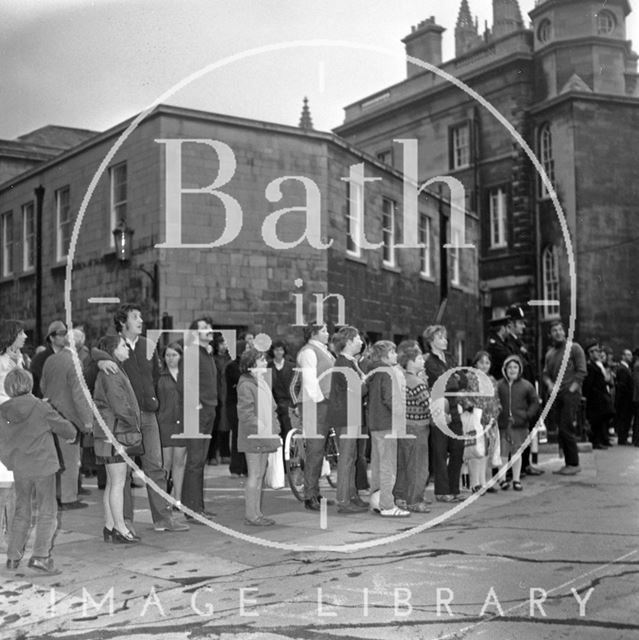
93,63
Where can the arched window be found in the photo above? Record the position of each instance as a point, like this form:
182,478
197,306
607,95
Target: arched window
544,32
550,277
606,22
546,159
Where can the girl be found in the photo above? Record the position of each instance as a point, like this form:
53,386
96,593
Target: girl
491,408
170,393
520,404
116,401
253,413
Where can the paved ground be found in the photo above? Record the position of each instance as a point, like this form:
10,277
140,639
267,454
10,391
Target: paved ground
510,565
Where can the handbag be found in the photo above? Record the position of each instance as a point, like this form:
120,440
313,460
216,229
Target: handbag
131,440
274,477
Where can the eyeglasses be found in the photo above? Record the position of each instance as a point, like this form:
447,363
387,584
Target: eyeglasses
60,334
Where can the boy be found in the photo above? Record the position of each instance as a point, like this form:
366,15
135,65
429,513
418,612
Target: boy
519,406
27,448
385,405
347,343
412,453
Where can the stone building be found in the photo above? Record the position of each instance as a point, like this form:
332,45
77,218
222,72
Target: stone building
568,84
169,188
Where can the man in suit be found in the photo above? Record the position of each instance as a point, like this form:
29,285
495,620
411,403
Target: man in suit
61,385
623,396
497,347
598,401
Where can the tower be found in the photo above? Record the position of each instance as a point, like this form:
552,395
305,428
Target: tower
506,17
466,36
306,122
583,44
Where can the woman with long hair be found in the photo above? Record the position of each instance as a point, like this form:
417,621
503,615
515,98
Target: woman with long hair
12,339
170,394
118,406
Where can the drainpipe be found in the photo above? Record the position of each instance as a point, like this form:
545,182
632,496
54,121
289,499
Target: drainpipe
39,195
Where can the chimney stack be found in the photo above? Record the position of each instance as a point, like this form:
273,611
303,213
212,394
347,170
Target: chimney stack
424,43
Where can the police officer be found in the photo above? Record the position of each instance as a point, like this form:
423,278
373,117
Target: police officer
515,330
497,347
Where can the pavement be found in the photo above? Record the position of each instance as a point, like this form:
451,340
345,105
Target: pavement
558,560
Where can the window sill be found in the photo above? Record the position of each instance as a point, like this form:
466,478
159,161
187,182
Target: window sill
358,259
30,273
425,278
391,268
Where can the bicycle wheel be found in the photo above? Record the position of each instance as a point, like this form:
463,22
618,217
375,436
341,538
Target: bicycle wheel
294,462
331,453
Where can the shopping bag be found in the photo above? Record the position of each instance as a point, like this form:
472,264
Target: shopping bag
274,477
474,447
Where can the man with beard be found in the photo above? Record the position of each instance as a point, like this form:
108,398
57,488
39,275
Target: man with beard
197,448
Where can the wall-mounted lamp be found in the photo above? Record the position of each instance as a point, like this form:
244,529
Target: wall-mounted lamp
123,236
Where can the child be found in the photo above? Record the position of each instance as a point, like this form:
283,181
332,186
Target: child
347,343
490,412
385,404
28,449
412,453
520,403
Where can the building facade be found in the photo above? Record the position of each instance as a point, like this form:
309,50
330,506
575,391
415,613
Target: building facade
259,225
568,85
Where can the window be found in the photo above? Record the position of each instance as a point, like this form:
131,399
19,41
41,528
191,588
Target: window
606,23
550,275
460,146
544,32
63,223
547,161
497,205
354,218
28,236
118,197
7,244
389,231
385,156
424,238
455,241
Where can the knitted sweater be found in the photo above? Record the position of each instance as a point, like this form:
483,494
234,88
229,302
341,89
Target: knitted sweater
417,401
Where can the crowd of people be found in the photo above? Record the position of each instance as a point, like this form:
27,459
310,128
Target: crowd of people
402,415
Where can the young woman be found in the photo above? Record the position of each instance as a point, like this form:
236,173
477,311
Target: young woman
12,339
116,401
255,406
170,394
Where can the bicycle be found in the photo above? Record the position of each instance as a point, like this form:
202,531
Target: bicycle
294,456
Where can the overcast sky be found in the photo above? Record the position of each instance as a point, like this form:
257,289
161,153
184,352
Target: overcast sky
93,63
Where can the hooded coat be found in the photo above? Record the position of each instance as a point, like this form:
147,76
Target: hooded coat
27,425
518,399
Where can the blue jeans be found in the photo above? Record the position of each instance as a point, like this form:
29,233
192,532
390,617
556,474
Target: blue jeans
152,466
567,405
412,465
47,516
197,450
384,467
256,463
314,452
